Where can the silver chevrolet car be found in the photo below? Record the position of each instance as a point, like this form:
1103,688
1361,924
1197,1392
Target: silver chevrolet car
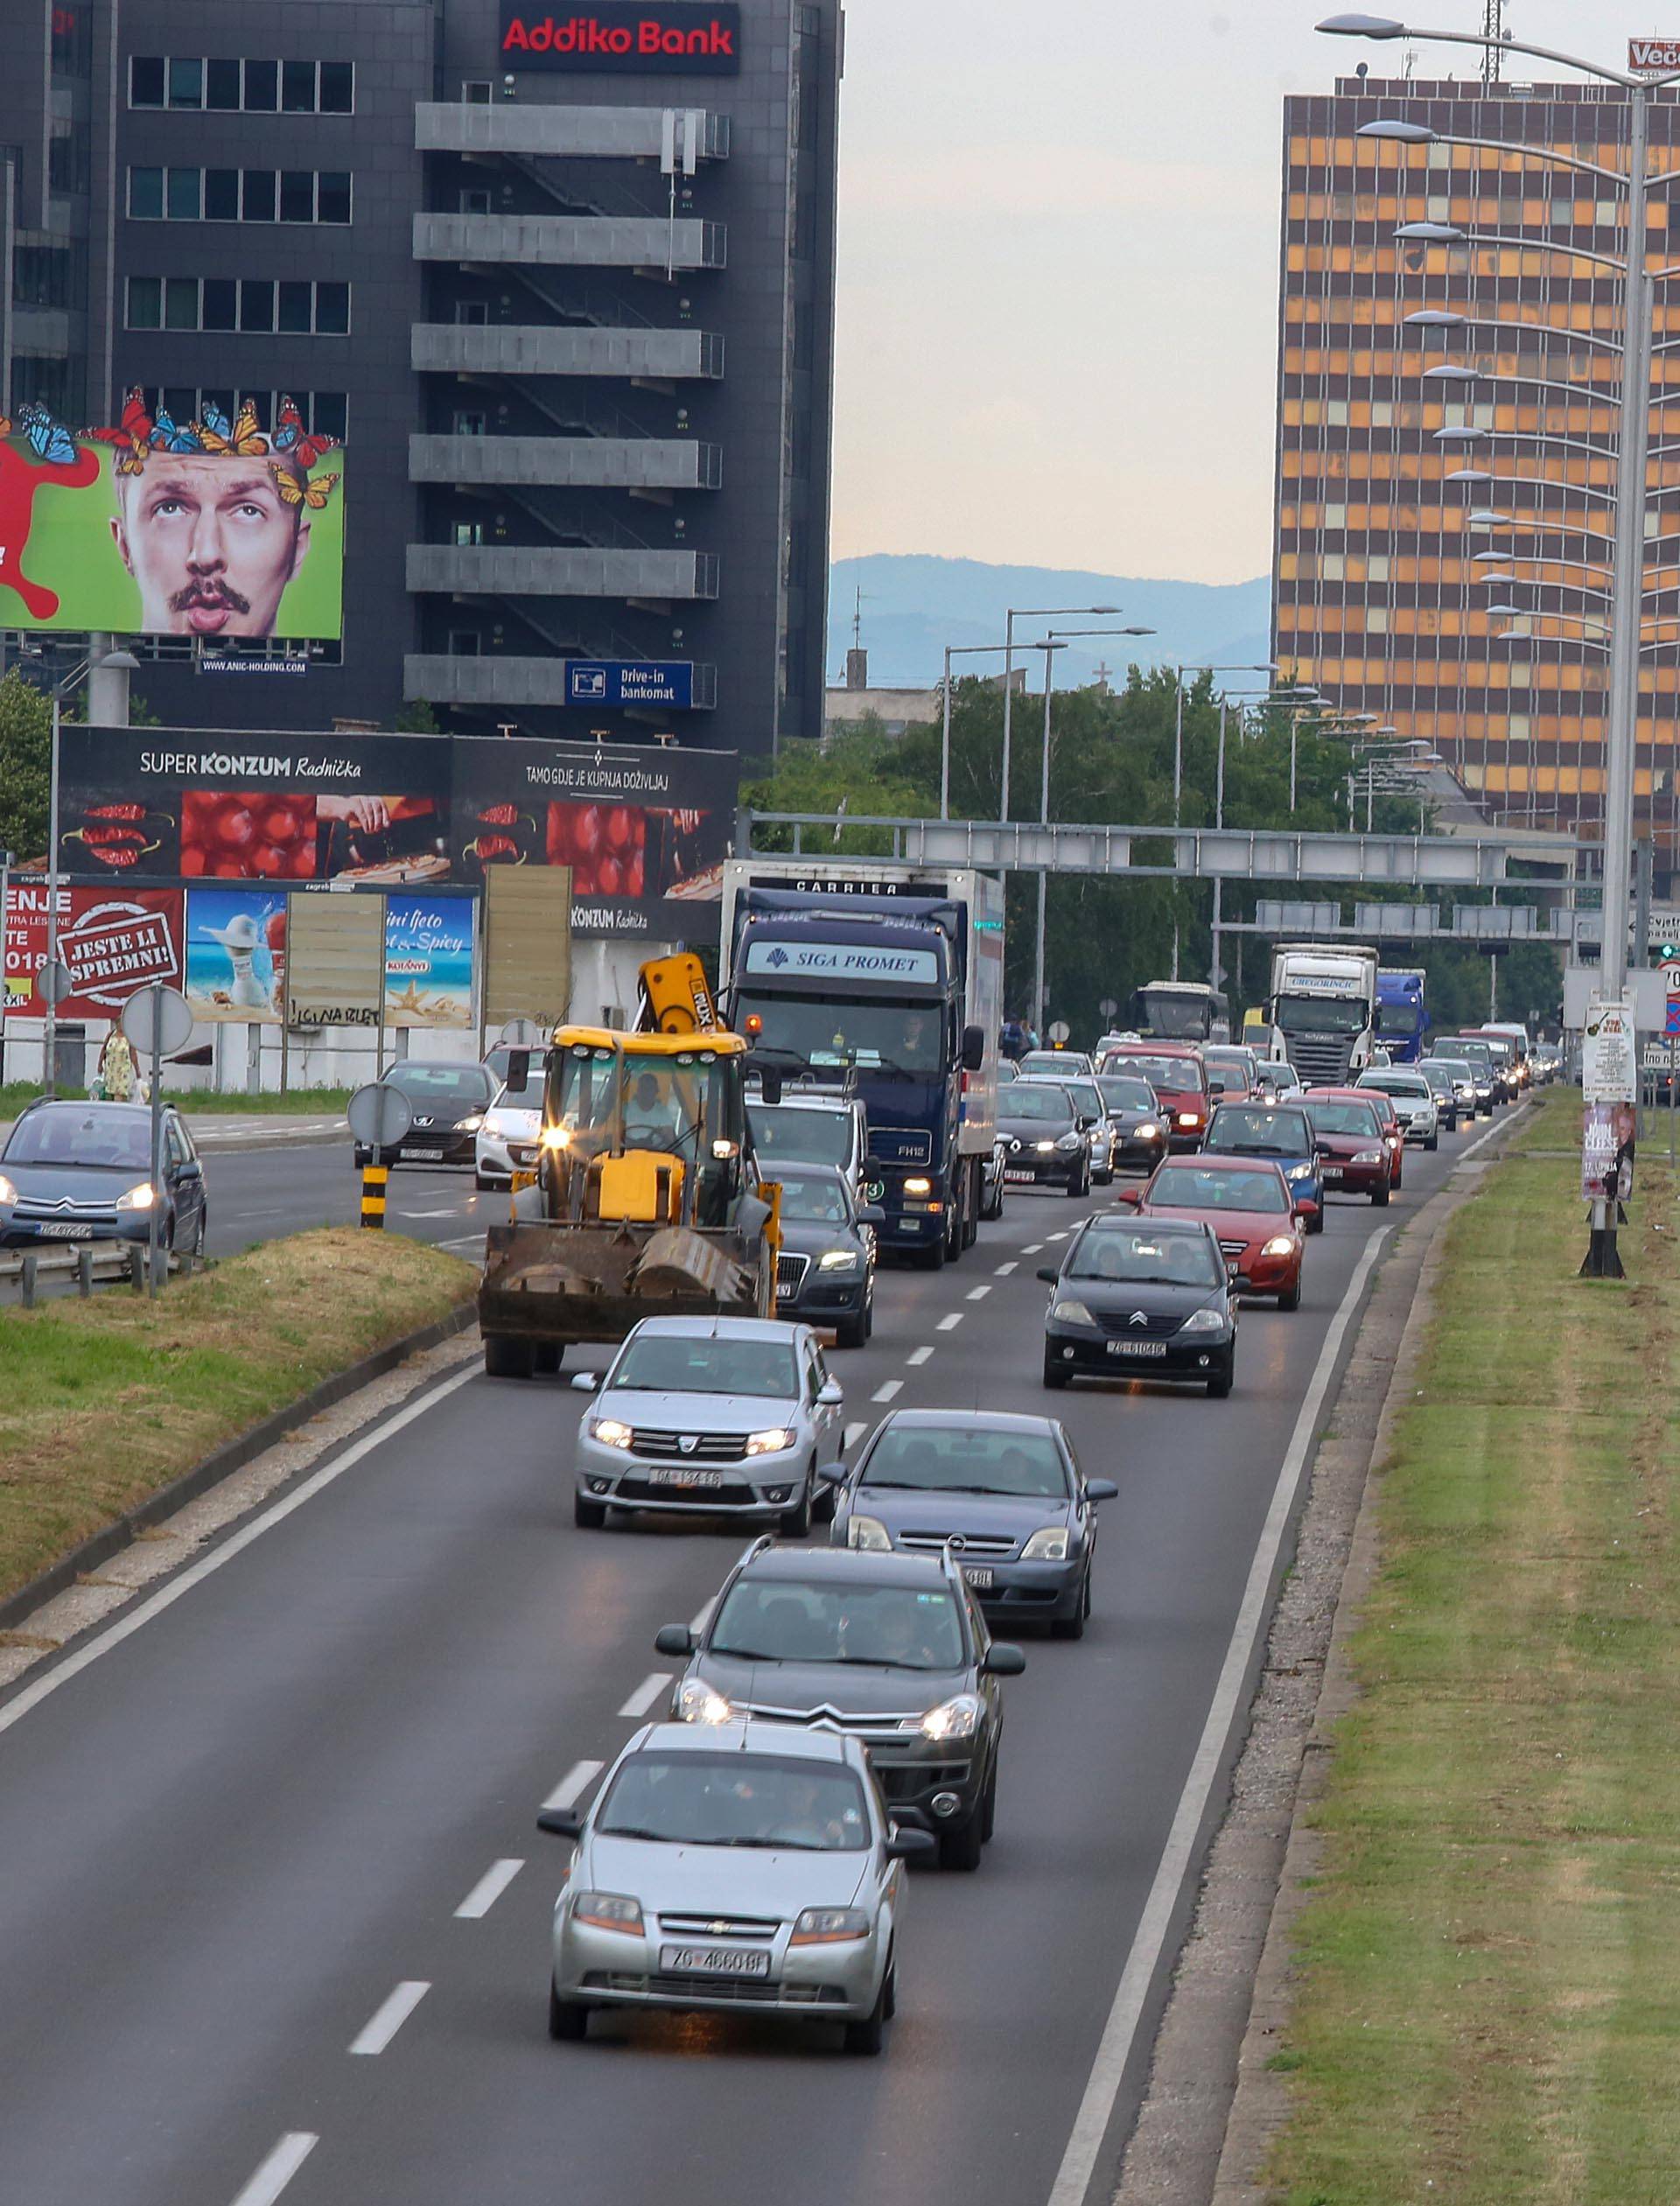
717,1416
749,1867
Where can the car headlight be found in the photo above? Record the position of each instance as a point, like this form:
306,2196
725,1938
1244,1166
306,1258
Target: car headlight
1047,1545
1044,1147
470,1123
1203,1321
1145,1129
771,1441
140,1198
957,1718
838,1260
608,1911
1067,1141
919,1187
828,1926
698,1703
1367,1157
1186,1117
610,1432
1072,1311
1279,1245
7,1193
1300,1171
556,1137
869,1534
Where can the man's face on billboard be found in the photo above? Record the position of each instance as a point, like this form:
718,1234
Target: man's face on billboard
210,541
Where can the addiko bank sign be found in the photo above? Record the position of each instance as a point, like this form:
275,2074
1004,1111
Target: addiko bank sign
1653,57
675,38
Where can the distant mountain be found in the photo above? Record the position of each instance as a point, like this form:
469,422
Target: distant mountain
914,605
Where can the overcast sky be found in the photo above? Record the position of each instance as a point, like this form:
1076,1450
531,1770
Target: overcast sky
1059,236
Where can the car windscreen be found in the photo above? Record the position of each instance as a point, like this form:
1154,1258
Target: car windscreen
704,1363
1036,1103
1344,1118
1394,1083
959,1458
1453,1068
801,1136
821,1200
76,1134
1144,1256
1440,1077
839,1620
701,1799
1038,1063
1120,1094
1472,1053
1272,1133
1084,1096
1175,1075
441,1083
1188,1187
529,1097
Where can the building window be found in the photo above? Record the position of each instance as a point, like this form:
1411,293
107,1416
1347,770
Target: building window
470,425
221,85
221,195
472,313
260,87
180,301
465,643
338,87
323,412
146,195
476,93
146,302
185,83
477,202
221,303
255,305
228,195
145,80
185,202
332,196
296,195
298,88
263,87
261,200
331,310
469,532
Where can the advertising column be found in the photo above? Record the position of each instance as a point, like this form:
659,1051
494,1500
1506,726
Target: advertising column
1609,1087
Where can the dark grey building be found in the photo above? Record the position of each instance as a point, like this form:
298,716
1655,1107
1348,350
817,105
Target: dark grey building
562,282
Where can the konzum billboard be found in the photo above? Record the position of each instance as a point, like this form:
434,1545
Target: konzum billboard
664,37
215,529
643,831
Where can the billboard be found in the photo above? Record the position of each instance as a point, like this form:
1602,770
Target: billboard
644,832
214,528
235,954
112,945
429,961
662,37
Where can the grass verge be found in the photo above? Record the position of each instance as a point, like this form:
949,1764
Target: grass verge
105,1400
197,1103
1488,1968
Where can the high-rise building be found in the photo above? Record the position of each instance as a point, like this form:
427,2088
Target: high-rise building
1395,549
562,284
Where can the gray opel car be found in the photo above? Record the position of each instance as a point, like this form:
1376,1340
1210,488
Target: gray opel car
744,1867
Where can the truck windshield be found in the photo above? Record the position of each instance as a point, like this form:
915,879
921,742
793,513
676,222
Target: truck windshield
1322,1014
667,1097
903,1038
1401,1020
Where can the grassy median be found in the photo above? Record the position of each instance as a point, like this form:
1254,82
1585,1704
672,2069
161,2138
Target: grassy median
1488,1967
104,1401
198,1102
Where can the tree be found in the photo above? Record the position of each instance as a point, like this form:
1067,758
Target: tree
26,767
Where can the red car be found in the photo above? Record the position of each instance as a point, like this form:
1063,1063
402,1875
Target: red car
1174,1070
1355,1154
1246,1199
1393,1134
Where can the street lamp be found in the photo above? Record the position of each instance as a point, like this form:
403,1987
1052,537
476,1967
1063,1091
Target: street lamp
1222,666
1011,614
952,651
1049,647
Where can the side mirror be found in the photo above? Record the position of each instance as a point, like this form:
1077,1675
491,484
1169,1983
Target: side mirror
770,1084
674,1639
585,1382
1101,1490
872,1214
831,1395
826,1474
1129,1198
561,1822
1004,1660
1049,1274
974,1049
1305,1207
1085,1123
519,1069
905,1843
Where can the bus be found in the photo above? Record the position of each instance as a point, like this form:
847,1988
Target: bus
1182,1011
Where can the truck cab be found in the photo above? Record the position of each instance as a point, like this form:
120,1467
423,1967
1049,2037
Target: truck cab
1323,1006
1401,1020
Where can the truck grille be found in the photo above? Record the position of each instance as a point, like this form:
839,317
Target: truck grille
1323,1064
709,1447
901,1144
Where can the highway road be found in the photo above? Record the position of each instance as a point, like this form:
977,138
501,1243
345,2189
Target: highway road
274,1913
256,1194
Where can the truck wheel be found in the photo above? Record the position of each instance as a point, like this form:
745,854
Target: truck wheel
548,1356
506,1359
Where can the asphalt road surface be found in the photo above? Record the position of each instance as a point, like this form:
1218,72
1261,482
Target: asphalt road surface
257,1194
273,1914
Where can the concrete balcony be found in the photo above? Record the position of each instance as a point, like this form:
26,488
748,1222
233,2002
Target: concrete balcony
584,134
510,348
539,571
596,463
572,241
446,680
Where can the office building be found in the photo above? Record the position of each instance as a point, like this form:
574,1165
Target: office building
562,284
1395,549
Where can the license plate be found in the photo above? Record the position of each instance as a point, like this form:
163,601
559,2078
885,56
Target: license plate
976,1576
1331,1171
425,1156
66,1233
713,1960
1136,1348
680,1477
1232,1267
784,1290
1012,1175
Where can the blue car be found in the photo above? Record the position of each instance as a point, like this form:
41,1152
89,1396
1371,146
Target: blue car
1243,1127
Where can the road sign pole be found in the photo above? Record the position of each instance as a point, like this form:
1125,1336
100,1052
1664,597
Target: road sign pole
374,1177
153,1246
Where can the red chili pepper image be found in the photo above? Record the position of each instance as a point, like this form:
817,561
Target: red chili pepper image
117,811
491,849
127,854
505,815
113,845
95,836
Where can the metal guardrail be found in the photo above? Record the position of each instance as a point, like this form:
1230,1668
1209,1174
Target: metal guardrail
89,1265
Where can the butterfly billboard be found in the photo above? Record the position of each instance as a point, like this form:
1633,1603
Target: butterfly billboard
217,528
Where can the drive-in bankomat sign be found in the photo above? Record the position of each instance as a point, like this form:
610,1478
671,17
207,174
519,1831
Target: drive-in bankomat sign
668,36
663,682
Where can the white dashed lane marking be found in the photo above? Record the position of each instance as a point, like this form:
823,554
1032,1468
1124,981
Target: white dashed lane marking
1004,1270
647,1693
977,1294
576,1783
854,1433
885,1393
278,2168
1032,1248
377,2033
918,1355
488,1889
949,1324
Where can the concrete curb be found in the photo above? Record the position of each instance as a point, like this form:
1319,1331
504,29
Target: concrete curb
233,1456
206,1136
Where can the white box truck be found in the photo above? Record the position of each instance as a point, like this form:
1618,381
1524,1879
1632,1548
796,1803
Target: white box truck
1323,1010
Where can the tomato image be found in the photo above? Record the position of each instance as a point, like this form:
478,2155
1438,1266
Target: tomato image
280,825
620,827
233,827
608,876
234,834
274,930
192,863
634,873
270,861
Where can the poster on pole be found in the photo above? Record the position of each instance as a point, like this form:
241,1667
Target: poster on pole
1608,1131
1609,1060
429,961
